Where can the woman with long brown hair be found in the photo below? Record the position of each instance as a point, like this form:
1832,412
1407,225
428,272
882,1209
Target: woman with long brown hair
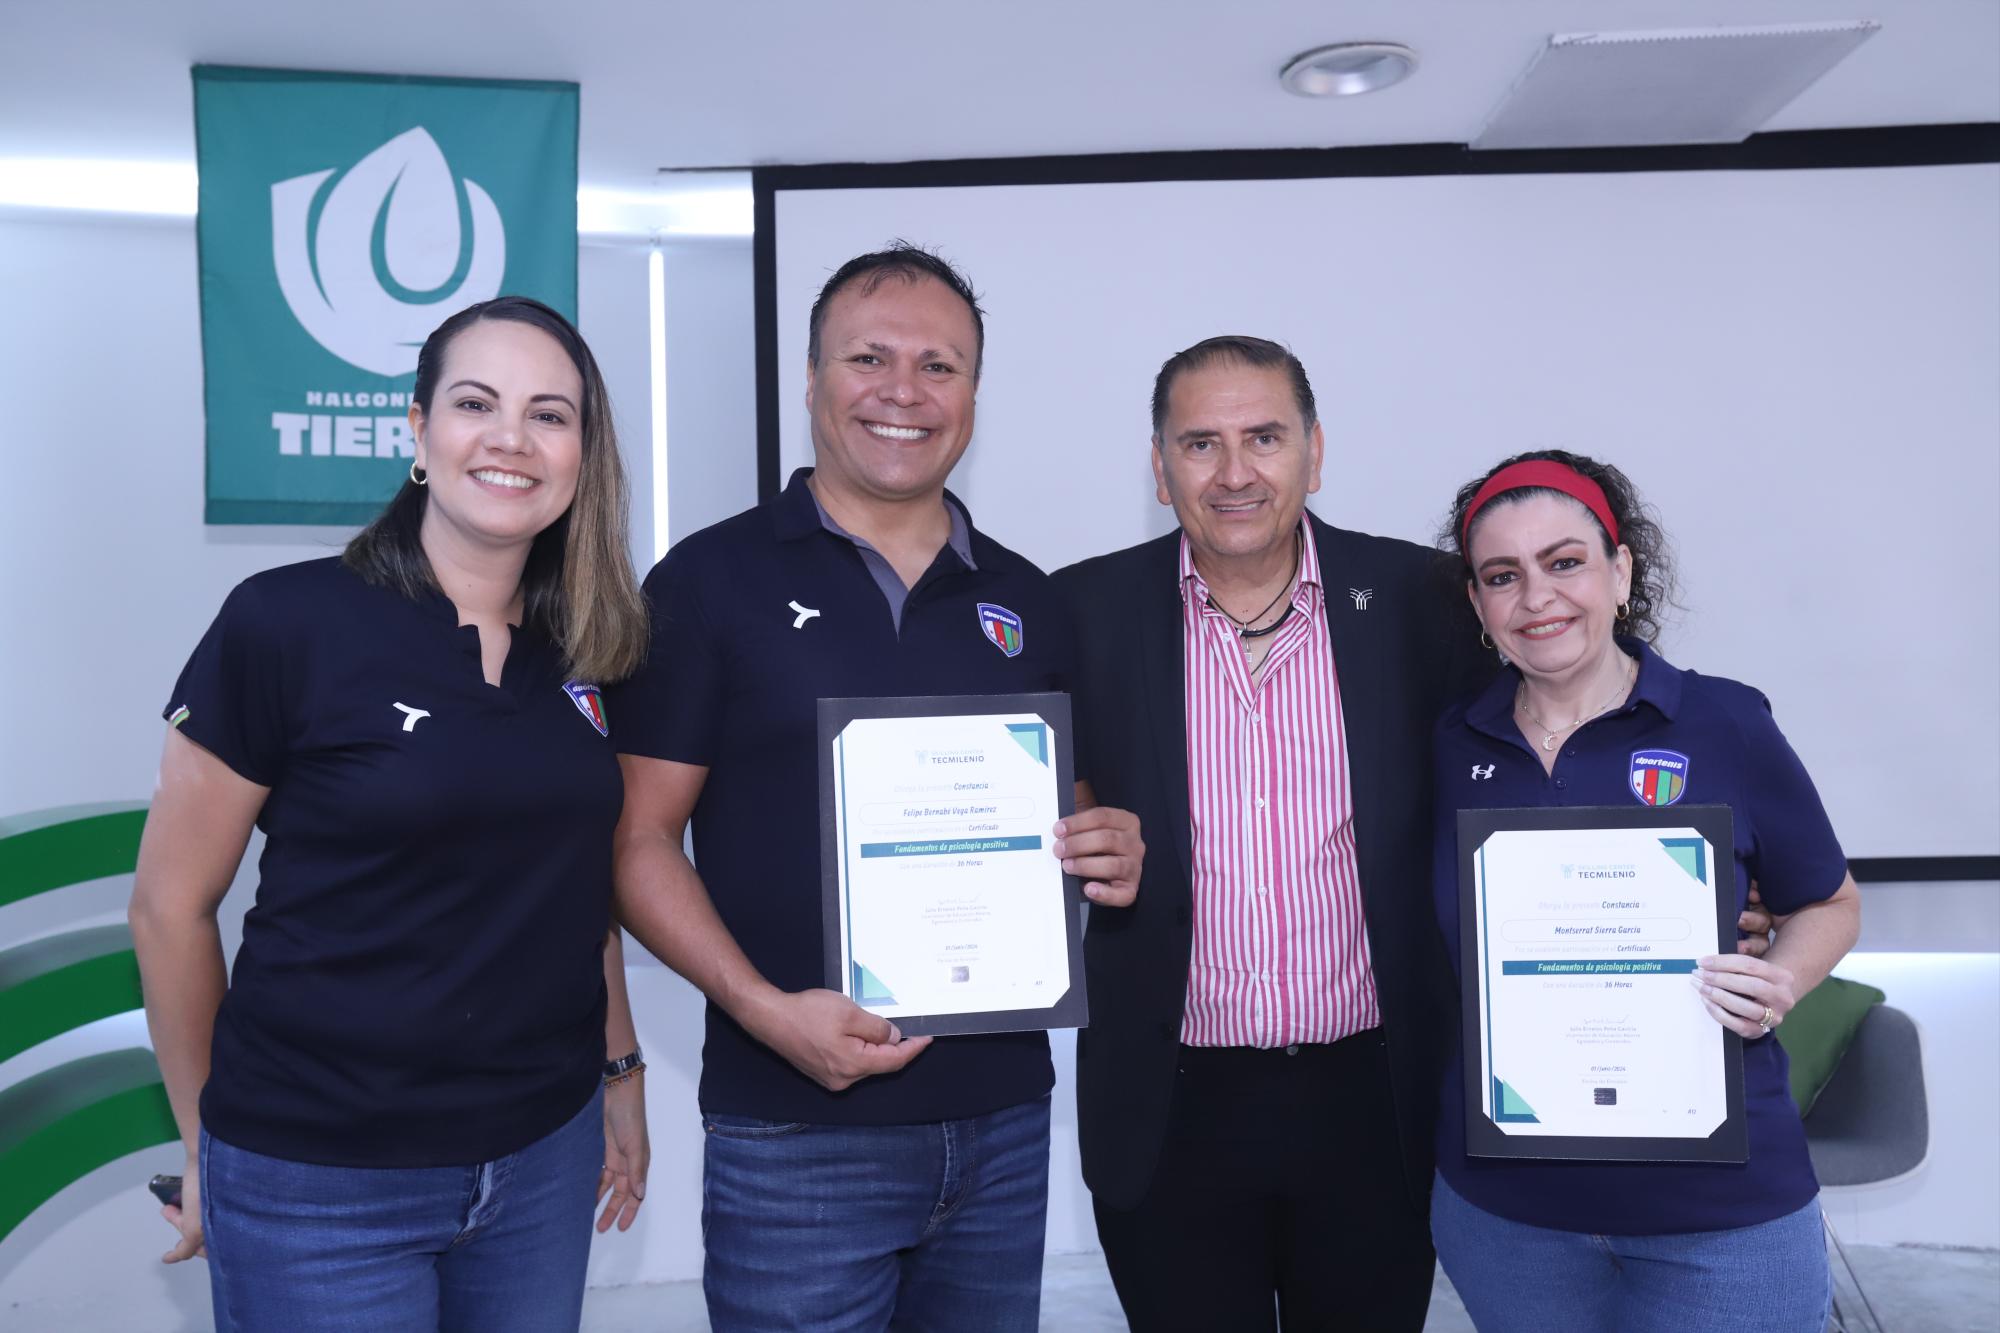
401,1106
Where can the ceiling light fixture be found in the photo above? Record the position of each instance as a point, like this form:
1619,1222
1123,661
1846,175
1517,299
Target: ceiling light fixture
1347,68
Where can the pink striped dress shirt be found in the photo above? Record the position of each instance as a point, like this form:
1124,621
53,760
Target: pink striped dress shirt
1280,946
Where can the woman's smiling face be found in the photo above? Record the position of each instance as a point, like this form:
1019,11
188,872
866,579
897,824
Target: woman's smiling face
502,442
1544,585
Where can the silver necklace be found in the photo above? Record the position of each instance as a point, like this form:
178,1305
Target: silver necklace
1550,733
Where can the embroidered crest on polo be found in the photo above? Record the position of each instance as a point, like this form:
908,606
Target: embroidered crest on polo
1002,627
1659,777
589,701
1480,772
1361,596
411,716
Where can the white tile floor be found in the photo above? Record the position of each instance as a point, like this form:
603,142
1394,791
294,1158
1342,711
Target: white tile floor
1914,1289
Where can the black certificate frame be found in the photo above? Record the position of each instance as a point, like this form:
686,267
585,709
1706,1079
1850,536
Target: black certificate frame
1729,1142
1073,1009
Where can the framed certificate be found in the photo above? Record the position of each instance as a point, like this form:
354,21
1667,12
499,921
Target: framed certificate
945,908
1579,931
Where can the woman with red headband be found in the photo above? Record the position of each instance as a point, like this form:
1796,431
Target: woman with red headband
1565,571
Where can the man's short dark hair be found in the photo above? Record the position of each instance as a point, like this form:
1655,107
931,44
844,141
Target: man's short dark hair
909,263
1261,353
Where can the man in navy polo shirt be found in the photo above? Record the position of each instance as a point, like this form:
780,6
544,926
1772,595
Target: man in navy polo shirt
851,1176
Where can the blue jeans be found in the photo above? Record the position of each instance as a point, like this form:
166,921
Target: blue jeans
837,1227
1767,1278
496,1247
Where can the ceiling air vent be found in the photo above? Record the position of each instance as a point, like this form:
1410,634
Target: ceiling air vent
1706,85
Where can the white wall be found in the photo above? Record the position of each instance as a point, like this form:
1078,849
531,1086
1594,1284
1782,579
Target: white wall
711,383
1801,369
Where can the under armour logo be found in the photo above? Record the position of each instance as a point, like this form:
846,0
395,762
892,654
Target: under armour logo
410,722
804,613
1360,596
1485,772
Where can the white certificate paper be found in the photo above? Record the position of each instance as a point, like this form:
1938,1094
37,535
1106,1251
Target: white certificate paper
949,911
1581,942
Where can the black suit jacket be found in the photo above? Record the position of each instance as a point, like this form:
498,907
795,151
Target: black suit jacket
1400,661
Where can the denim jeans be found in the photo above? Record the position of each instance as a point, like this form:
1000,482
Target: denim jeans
837,1227
497,1247
1768,1278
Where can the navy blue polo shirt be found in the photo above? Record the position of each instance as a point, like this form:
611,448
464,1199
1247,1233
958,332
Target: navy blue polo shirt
1737,757
754,621
421,978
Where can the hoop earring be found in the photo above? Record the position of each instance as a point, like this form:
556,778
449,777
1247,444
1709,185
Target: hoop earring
421,478
1624,611
1485,640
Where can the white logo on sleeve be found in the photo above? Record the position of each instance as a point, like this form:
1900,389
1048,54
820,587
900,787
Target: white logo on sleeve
1360,596
1478,771
801,614
403,198
413,716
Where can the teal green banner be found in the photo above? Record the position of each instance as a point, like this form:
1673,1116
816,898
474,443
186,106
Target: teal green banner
342,218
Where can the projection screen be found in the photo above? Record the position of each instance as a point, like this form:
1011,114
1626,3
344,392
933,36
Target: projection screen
1800,369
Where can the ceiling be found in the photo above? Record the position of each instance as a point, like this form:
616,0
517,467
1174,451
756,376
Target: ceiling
667,83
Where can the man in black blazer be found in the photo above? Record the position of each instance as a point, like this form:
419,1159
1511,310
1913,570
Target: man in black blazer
1257,1089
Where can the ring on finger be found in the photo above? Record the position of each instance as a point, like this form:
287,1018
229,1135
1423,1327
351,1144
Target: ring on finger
1767,1022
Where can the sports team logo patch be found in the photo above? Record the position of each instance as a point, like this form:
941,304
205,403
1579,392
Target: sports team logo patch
1002,626
589,701
1659,776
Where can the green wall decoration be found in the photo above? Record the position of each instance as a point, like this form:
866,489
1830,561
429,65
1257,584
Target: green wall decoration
62,1124
71,844
59,982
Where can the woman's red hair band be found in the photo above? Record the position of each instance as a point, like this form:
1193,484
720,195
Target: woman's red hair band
1540,474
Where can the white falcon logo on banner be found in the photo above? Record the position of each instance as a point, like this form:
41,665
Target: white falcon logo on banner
403,192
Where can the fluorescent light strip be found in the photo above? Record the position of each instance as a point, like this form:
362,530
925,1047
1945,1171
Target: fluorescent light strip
656,289
91,185
170,190
709,211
